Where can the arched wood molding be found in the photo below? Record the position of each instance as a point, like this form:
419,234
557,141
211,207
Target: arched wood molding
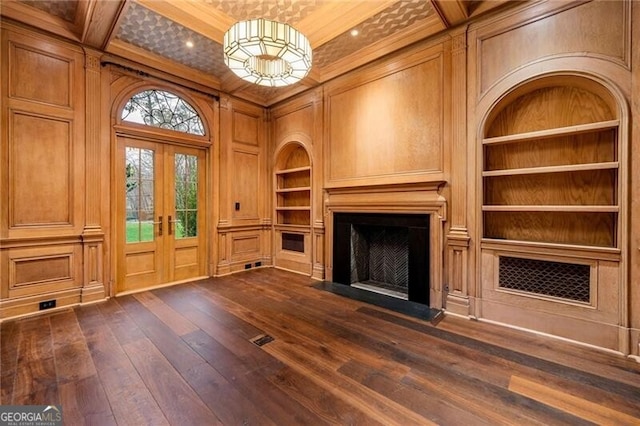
302,262
610,82
118,89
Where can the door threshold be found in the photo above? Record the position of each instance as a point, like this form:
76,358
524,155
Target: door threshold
169,284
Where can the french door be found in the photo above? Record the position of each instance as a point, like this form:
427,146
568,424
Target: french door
160,220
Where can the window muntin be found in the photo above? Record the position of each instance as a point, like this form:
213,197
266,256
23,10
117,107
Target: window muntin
162,109
186,195
139,181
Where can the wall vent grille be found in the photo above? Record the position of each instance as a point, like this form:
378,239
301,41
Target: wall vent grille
556,279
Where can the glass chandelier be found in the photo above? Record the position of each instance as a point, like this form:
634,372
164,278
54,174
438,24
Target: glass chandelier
267,53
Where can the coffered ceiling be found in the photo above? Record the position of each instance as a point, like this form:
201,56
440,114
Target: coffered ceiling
154,33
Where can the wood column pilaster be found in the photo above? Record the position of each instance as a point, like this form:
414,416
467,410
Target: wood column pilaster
224,213
457,296
318,183
93,234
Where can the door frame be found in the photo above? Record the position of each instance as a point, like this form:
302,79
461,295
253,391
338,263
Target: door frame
159,137
119,86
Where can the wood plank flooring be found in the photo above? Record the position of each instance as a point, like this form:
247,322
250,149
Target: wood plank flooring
184,355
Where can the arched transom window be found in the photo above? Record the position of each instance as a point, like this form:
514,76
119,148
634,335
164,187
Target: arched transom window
158,108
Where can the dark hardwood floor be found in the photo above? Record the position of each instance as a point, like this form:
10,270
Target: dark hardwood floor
184,355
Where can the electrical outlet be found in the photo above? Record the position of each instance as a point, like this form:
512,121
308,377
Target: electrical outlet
258,264
47,304
247,266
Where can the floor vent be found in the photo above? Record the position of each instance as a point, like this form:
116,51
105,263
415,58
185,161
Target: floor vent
262,339
556,279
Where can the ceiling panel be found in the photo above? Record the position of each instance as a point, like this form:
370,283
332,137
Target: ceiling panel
289,11
65,9
391,20
154,32
144,28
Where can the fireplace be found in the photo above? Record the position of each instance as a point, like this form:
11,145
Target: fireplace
383,252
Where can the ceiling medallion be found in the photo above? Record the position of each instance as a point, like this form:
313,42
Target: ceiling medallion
267,53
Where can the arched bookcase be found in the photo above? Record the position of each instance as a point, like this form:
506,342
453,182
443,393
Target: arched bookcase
553,196
292,183
551,161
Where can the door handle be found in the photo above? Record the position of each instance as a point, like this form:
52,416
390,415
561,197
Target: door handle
159,223
171,222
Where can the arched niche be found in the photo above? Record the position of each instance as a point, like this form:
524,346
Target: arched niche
551,164
553,189
551,102
293,185
293,207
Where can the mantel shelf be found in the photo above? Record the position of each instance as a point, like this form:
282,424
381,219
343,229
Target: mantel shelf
552,169
551,208
296,189
294,170
294,208
552,133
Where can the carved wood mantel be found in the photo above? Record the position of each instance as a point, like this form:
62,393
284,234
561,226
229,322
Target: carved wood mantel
418,198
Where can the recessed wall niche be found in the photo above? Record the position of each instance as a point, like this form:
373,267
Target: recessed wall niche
553,196
292,183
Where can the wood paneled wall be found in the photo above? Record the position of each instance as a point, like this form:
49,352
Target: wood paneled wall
414,117
387,123
536,48
47,252
634,191
298,122
244,224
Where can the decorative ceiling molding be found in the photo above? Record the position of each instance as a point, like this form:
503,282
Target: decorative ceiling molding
153,33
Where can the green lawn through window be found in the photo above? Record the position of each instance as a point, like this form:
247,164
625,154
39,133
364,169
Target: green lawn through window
143,231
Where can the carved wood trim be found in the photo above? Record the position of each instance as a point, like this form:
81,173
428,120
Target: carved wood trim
421,198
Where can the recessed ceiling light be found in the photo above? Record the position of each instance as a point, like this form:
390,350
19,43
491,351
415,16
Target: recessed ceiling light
189,44
354,32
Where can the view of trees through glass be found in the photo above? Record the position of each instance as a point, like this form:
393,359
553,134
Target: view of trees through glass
165,110
186,195
158,108
140,180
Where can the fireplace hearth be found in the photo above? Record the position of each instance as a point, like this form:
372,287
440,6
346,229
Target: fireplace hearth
383,253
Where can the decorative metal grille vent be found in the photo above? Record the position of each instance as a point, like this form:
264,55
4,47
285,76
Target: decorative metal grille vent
556,279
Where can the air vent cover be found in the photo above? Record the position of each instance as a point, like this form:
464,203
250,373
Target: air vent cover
556,279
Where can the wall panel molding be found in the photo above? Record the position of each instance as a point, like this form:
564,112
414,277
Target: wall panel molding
550,30
387,123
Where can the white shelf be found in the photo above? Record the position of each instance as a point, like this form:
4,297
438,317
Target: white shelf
612,165
551,208
552,133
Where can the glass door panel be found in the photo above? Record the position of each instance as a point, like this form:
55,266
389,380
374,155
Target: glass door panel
186,226
160,230
186,195
139,195
139,218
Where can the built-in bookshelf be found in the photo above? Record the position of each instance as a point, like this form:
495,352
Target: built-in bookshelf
551,169
293,190
292,224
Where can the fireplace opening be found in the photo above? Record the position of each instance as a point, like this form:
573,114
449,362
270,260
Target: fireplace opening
380,259
384,253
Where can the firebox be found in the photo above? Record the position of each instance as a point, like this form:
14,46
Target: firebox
385,253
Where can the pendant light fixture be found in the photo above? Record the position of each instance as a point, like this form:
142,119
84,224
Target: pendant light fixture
267,53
